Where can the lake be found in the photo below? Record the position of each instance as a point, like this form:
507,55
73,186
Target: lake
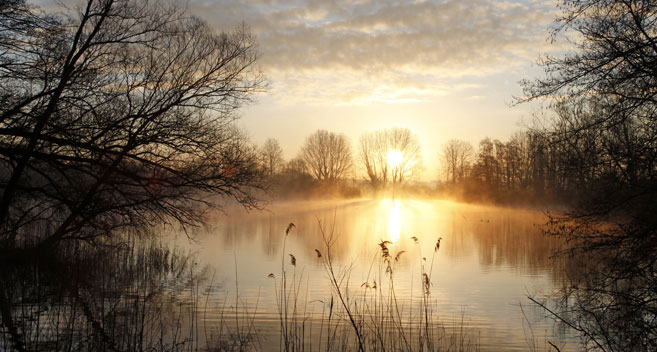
489,260
396,274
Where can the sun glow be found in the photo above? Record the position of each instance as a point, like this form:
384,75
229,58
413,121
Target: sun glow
394,157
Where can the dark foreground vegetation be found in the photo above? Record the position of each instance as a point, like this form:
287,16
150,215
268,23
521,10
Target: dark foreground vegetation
118,115
601,135
142,295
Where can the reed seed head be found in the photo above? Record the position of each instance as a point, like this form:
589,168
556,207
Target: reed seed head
437,244
383,244
290,226
399,255
426,283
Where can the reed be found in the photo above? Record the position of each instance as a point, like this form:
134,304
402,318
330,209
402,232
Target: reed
365,317
147,296
141,296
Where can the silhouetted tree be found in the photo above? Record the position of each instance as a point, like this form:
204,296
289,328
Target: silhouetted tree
457,158
372,154
375,155
486,165
271,156
296,166
602,143
118,116
406,143
521,160
327,155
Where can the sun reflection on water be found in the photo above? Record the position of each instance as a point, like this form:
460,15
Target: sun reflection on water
394,221
489,258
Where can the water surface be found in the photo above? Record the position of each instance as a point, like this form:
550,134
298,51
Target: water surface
489,260
231,286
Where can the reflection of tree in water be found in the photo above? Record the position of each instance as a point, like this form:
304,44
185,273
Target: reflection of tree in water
267,229
610,299
517,242
504,237
144,297
499,236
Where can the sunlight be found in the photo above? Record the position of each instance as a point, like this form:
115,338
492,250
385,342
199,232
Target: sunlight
394,221
394,157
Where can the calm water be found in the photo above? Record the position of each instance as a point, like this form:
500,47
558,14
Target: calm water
226,285
490,259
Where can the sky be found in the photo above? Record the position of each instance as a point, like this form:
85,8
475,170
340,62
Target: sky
445,69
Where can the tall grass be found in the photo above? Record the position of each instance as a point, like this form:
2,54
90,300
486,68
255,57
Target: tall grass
146,296
369,316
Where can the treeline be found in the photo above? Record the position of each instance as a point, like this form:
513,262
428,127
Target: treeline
327,166
575,155
519,168
561,162
546,165
532,166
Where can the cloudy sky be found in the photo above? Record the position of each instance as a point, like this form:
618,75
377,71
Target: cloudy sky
443,68
446,69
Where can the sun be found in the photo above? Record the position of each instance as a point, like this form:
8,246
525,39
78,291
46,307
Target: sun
394,157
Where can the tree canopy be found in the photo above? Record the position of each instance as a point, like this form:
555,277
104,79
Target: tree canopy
375,156
603,137
327,155
271,156
456,157
118,115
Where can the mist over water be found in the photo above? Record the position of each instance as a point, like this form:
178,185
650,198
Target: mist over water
490,259
223,289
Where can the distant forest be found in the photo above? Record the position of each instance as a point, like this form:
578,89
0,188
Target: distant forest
552,165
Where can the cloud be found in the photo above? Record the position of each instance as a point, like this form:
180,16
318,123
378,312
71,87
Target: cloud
358,52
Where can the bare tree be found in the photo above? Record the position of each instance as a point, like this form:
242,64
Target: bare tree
390,155
118,115
406,144
296,166
373,157
327,155
271,156
603,141
457,159
485,167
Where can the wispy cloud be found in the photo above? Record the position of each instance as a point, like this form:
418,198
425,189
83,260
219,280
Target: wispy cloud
360,52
